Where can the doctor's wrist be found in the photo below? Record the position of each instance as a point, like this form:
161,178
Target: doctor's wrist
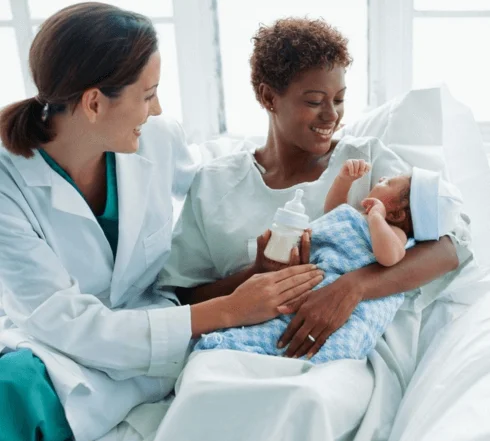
212,315
228,317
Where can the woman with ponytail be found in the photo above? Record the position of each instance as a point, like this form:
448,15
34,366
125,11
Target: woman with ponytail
87,178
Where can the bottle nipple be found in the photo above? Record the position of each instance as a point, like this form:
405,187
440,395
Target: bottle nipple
295,205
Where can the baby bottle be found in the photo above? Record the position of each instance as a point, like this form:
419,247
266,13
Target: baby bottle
287,229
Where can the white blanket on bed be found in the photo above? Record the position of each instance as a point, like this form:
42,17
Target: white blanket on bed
447,398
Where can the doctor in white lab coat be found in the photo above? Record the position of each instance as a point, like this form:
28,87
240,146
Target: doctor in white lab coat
85,226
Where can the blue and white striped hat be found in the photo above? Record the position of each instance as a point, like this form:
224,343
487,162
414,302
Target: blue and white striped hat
435,205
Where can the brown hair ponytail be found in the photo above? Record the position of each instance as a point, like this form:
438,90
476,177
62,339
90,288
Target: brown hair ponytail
80,47
22,128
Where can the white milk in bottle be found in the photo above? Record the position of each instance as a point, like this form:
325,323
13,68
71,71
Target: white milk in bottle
287,229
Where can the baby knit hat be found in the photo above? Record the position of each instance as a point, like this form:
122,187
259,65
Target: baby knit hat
435,205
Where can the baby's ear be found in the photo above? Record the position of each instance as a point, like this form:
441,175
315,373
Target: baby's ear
396,216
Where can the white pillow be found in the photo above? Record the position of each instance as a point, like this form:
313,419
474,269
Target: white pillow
428,128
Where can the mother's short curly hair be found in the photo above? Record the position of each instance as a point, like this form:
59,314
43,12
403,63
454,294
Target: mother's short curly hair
291,46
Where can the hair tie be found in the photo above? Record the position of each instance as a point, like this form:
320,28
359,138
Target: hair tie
45,111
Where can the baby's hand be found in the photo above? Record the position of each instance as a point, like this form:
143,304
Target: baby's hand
354,169
373,205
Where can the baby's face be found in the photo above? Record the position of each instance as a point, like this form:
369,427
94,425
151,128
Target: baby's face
390,190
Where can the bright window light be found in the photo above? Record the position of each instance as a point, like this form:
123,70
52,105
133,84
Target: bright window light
451,50
41,9
12,84
168,89
5,12
452,5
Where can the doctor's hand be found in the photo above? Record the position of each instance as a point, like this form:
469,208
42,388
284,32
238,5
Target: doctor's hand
319,315
258,298
299,255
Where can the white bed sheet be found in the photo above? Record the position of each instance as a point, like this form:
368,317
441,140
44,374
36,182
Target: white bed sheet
234,396
448,398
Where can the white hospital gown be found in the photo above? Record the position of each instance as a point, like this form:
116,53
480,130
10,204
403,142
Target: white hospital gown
228,395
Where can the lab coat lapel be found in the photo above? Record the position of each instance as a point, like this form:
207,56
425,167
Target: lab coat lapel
134,175
64,197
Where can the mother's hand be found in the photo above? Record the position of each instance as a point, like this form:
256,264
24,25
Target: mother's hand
299,255
319,315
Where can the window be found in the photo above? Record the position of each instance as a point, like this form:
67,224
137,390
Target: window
5,12
451,5
16,36
206,45
162,8
420,43
238,22
12,85
446,49
455,32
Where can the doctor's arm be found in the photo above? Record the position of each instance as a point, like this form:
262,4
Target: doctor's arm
227,285
41,298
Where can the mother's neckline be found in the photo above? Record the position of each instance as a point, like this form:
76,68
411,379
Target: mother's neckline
318,168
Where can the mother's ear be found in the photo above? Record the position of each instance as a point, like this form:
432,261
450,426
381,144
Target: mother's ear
267,96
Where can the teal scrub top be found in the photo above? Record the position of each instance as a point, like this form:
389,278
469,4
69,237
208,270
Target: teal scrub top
109,220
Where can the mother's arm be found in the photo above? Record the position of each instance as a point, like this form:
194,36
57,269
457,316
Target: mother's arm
328,308
422,264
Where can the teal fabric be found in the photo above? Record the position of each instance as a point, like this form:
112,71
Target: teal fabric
109,220
30,409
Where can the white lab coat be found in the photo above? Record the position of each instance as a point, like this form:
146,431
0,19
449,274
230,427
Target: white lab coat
229,395
108,341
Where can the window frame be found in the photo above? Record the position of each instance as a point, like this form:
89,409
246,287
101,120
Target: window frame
23,36
390,40
390,49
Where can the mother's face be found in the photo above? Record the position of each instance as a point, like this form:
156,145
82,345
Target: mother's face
311,109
